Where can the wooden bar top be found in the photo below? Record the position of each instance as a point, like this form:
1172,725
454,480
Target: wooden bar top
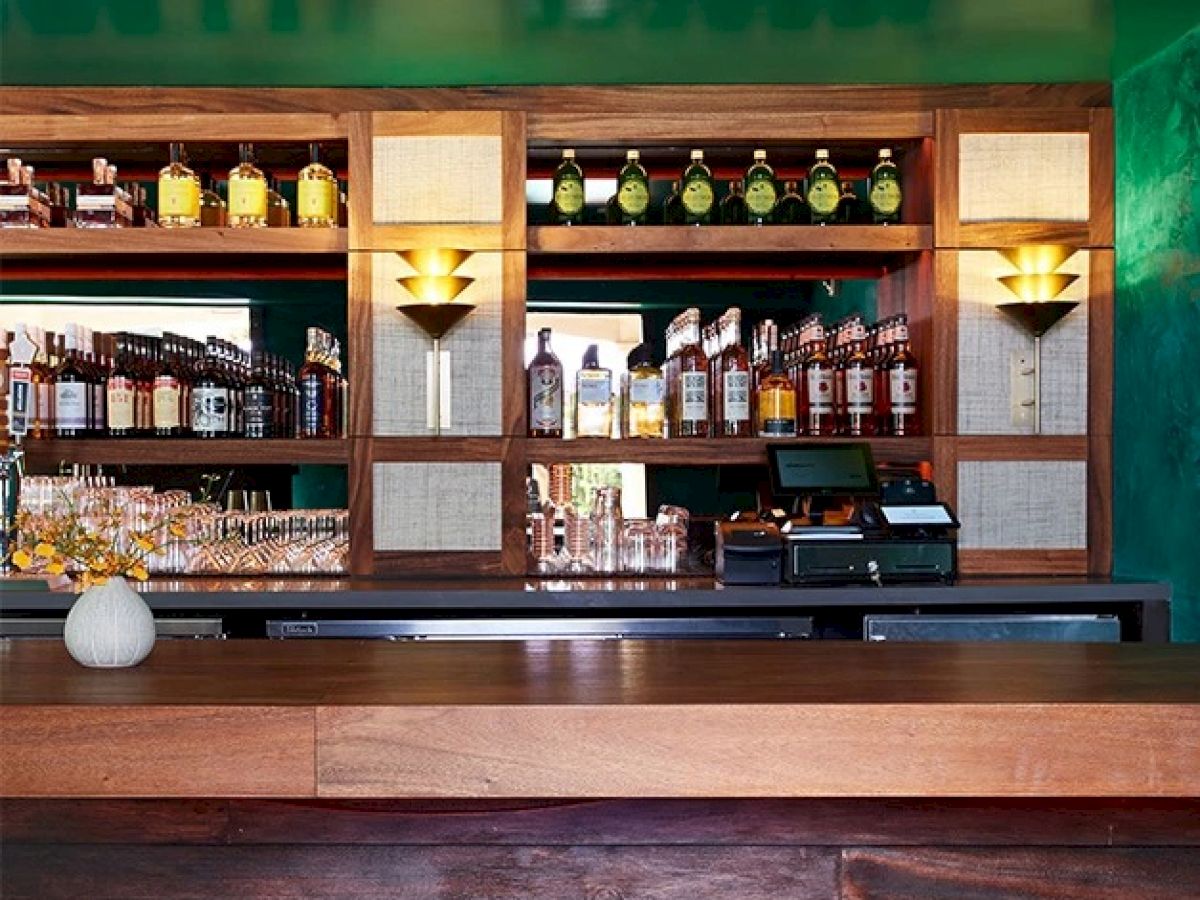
603,719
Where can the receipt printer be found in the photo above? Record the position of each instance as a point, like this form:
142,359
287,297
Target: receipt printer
749,553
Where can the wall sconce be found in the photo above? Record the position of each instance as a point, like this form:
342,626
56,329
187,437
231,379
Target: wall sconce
436,287
1038,285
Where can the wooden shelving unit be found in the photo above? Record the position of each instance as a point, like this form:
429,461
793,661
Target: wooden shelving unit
723,239
52,242
187,451
708,451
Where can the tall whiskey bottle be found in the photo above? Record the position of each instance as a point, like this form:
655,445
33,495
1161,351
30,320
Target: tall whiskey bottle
121,391
568,199
545,391
689,390
167,395
733,385
645,396
903,380
823,194
260,400
697,194
316,193
885,195
858,383
776,401
247,192
593,397
761,191
318,389
821,415
178,193
72,390
633,191
210,395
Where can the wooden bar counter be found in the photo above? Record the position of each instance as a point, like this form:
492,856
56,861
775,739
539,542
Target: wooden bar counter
778,768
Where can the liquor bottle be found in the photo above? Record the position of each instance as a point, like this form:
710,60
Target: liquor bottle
733,207
776,401
858,383
545,391
96,203
568,199
213,213
60,206
733,381
633,191
22,205
790,210
697,194
688,392
72,390
41,384
316,193
144,369
210,395
121,391
850,208
885,195
260,401
823,194
247,192
645,396
100,368
768,343
903,380
673,207
761,191
279,211
167,391
820,413
593,397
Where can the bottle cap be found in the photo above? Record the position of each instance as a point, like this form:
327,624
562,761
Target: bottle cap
591,357
697,155
633,155
822,154
885,153
641,355
760,155
568,154
544,333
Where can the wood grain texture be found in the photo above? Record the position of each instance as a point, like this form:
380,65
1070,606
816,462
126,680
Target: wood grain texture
147,751
414,237
989,235
67,265
188,451
439,449
360,328
1026,873
1010,121
798,751
1102,150
705,451
1101,339
945,344
54,821
125,241
1021,447
437,123
360,501
945,469
513,157
360,202
945,182
728,238
215,125
1022,562
417,873
583,126
422,563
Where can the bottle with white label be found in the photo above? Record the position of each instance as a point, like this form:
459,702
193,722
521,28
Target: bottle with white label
645,396
858,384
733,385
903,379
820,419
593,397
545,391
688,392
72,390
210,396
121,392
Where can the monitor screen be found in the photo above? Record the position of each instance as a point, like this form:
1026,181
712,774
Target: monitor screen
822,469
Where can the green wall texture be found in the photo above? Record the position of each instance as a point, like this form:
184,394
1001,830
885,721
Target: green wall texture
1156,424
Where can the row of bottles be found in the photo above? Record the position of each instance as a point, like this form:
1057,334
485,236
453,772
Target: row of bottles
759,198
88,384
849,379
183,199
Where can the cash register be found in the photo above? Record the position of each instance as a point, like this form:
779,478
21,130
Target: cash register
833,521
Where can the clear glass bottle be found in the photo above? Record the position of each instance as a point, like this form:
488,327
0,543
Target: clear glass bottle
247,192
568,200
316,193
633,191
733,384
760,190
645,396
545,391
697,194
823,194
688,393
178,192
885,195
776,401
593,397
903,377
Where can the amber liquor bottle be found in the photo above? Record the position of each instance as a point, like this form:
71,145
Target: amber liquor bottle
210,395
776,401
733,384
544,387
260,401
72,390
689,388
167,392
903,380
318,389
178,193
858,384
821,418
316,193
247,192
121,392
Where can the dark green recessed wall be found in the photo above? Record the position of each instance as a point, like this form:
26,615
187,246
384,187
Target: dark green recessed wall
1156,502
430,42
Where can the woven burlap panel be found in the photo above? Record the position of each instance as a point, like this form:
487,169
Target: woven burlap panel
987,338
400,348
436,506
1036,177
1032,505
444,180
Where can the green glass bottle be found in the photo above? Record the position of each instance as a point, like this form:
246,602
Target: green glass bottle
567,202
823,191
696,192
790,210
761,191
733,207
673,207
633,191
850,207
885,195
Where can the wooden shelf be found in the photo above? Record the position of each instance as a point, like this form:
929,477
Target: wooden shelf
186,451
107,241
581,239
707,451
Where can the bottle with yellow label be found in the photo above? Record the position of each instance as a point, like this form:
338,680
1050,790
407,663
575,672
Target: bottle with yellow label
247,192
885,196
824,191
316,193
761,190
696,191
776,401
568,199
633,191
178,193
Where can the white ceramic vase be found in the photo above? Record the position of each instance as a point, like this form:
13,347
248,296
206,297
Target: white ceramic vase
109,627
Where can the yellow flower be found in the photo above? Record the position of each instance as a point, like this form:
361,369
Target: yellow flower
22,560
139,572
44,550
176,529
56,568
143,542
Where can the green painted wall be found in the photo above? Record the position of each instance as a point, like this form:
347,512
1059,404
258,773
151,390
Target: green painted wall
1157,416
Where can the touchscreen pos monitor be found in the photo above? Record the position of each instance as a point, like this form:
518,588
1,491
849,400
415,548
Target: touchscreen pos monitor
821,472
